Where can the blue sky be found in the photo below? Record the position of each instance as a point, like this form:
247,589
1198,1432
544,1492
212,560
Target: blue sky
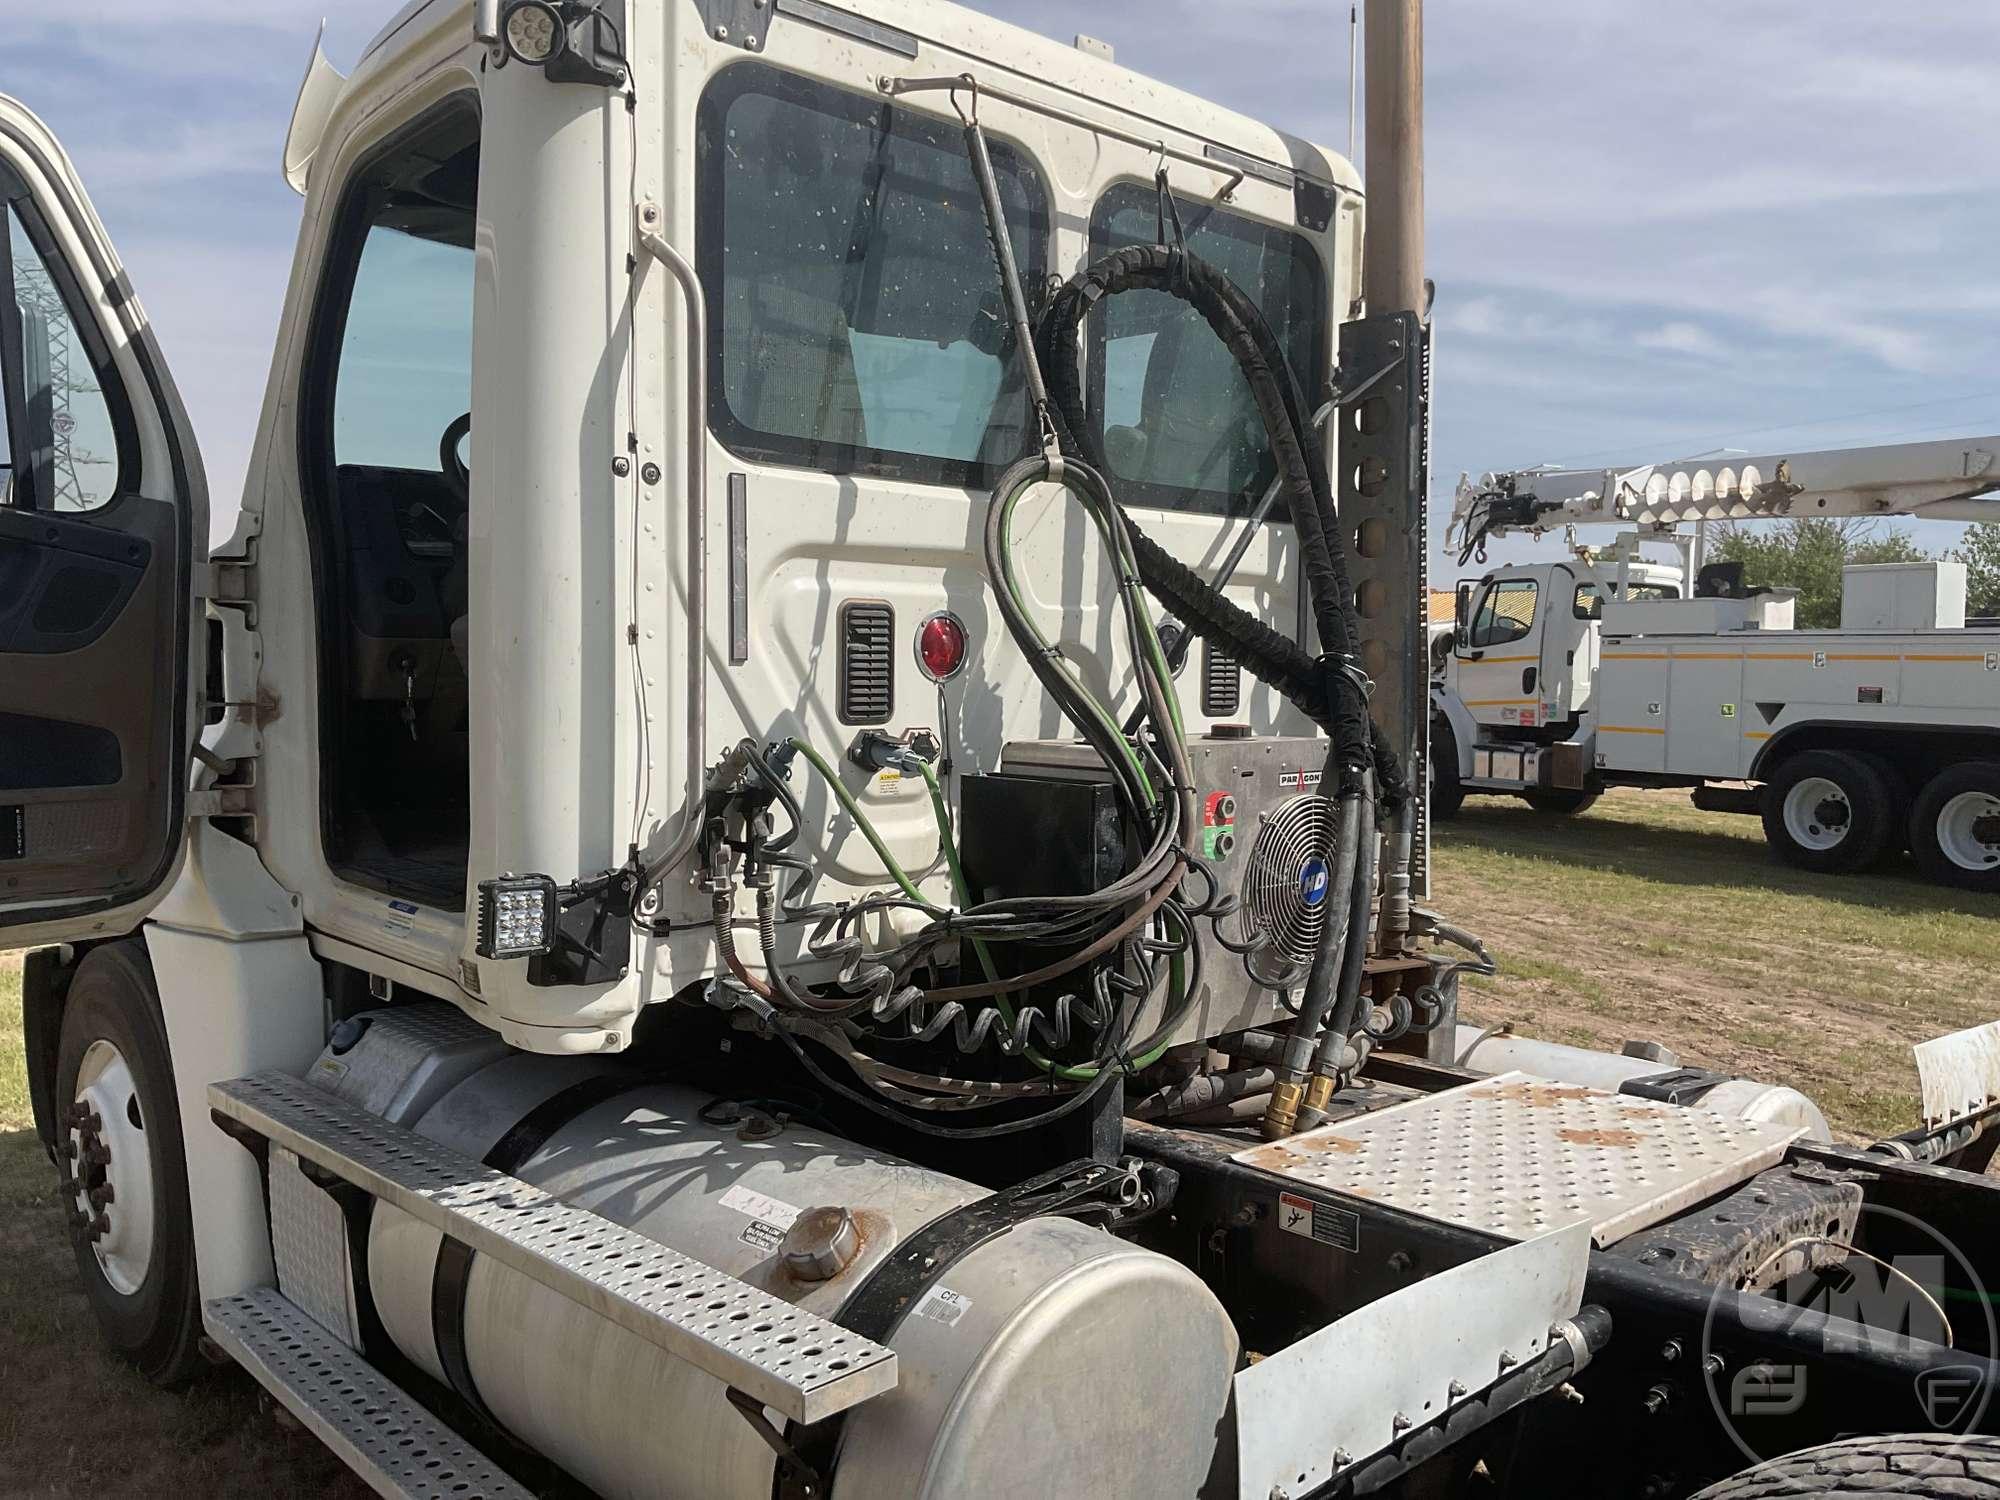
1655,229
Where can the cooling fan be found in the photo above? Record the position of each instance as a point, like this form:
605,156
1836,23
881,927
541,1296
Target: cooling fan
1288,877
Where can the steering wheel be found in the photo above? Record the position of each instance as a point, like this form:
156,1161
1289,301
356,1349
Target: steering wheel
455,472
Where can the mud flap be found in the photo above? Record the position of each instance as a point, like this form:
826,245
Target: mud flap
1304,1415
1959,1074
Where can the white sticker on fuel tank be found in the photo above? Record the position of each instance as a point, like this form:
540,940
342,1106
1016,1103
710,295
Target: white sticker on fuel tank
942,1305
769,1217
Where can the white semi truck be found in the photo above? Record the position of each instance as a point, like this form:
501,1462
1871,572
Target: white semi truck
654,923
1604,669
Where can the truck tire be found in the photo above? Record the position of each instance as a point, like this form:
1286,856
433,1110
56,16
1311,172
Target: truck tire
1955,826
1919,1466
1447,791
119,1147
1830,812
1899,798
1559,803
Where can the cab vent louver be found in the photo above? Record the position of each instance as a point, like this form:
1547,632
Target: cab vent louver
867,661
1221,682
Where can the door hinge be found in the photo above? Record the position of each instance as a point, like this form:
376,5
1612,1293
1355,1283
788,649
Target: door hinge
227,581
221,802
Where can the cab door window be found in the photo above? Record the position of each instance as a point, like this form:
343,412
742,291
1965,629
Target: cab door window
61,445
1507,613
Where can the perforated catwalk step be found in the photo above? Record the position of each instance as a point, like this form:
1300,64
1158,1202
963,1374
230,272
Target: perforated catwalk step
790,1360
393,1444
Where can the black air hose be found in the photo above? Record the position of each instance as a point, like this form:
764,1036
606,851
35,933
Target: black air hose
1328,691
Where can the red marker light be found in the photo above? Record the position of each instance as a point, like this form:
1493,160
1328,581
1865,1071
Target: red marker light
941,646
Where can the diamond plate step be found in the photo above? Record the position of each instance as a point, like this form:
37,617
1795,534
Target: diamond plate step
1519,1156
380,1433
791,1360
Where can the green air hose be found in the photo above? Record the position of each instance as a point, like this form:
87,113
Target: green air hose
861,820
948,842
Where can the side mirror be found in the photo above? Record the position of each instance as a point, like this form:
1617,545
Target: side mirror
1460,614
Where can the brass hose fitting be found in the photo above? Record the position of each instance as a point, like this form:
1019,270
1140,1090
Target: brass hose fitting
1283,1110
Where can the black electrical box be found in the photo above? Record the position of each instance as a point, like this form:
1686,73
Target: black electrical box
1038,836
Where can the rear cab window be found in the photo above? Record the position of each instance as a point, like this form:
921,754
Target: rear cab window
1174,414
843,251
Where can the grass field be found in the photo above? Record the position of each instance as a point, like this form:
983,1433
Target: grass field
1645,918
1641,918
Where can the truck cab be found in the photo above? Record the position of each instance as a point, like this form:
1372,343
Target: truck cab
538,526
1521,662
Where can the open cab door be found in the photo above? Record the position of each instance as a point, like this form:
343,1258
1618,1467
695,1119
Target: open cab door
103,524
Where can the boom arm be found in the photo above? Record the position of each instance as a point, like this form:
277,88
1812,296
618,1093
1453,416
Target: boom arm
1941,481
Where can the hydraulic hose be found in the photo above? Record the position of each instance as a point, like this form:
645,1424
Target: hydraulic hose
1329,691
1317,998
1349,1006
1244,331
1202,1092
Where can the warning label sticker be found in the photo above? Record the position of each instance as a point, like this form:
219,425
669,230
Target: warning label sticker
942,1305
769,1217
1316,1221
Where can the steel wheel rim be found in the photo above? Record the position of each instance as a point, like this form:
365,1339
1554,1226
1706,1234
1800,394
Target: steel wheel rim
1818,813
113,1192
1957,830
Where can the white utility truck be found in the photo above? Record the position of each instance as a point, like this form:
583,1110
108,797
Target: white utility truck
1563,678
654,922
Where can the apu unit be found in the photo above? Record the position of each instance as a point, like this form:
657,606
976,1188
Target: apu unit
1046,825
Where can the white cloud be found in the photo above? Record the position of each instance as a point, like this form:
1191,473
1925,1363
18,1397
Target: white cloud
1682,338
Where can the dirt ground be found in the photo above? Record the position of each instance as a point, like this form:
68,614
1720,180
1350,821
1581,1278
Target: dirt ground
1643,918
1640,918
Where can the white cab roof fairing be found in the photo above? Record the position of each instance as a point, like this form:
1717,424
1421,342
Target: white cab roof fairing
319,91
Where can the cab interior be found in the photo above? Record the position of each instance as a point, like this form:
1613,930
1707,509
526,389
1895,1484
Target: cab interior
385,422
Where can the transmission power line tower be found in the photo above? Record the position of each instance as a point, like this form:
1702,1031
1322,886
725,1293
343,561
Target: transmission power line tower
37,294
